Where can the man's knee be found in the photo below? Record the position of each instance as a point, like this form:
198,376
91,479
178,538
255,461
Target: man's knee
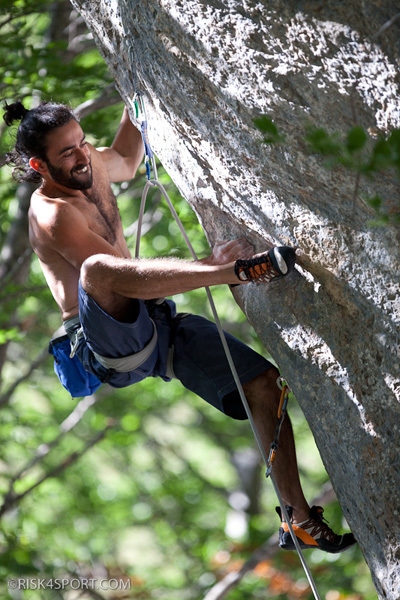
94,270
264,383
269,378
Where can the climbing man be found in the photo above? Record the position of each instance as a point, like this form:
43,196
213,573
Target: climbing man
119,327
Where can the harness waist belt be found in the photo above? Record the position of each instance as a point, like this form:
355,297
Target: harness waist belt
123,364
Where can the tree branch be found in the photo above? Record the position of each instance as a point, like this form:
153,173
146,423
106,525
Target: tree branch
4,398
66,426
11,498
109,97
386,26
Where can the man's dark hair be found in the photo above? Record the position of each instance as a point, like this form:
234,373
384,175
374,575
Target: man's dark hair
31,135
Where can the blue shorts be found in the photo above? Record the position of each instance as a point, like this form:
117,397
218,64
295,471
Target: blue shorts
189,349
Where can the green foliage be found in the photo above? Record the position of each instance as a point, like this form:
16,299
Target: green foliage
355,150
34,66
269,129
134,484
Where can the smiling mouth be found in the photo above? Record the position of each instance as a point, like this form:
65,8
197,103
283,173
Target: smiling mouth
82,170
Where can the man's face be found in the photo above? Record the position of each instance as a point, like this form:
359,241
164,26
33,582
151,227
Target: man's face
68,157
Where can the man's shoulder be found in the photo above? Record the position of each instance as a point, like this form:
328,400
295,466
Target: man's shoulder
53,215
42,204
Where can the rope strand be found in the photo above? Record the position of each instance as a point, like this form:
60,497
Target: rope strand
155,183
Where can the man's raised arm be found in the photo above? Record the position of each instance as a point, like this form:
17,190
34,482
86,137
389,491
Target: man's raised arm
124,156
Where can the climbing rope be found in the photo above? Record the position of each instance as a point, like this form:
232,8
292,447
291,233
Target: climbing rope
139,107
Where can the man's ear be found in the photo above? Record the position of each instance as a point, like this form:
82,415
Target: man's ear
37,165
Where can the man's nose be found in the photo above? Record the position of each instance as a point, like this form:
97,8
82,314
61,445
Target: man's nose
82,155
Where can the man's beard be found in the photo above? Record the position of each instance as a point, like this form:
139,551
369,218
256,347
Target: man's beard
82,181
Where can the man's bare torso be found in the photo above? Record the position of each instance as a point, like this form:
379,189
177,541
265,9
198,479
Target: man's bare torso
55,220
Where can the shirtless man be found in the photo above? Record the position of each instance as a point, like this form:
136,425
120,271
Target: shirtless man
118,331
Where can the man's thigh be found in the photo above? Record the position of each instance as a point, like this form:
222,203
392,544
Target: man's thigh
200,363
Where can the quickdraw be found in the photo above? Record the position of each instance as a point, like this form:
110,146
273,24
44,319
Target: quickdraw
282,408
149,159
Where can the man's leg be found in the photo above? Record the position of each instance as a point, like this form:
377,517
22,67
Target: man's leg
263,395
311,530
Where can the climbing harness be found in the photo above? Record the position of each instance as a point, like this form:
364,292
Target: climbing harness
138,106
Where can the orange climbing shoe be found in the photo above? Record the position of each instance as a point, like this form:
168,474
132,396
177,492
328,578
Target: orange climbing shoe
313,533
262,268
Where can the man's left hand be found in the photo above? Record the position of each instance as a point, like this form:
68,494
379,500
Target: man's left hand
229,251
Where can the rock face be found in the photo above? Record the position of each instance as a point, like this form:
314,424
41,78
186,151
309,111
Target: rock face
207,69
